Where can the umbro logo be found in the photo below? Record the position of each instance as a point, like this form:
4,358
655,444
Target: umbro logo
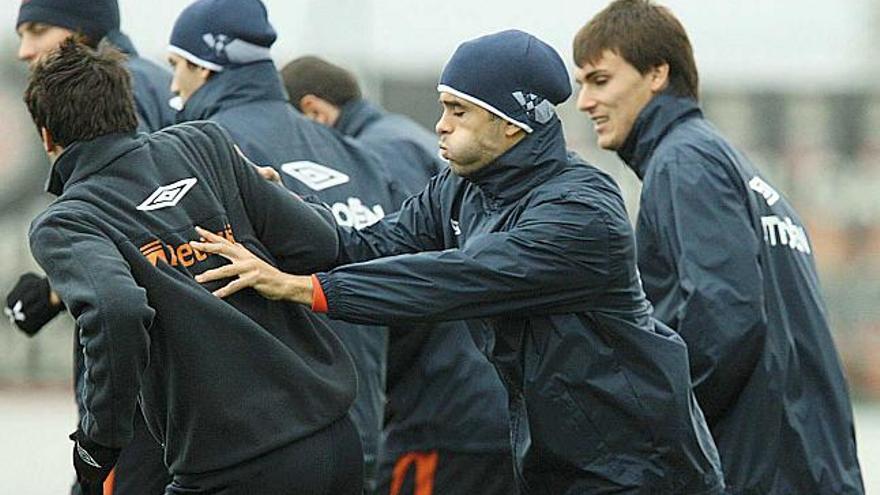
456,227
217,42
536,108
86,457
758,185
168,196
15,313
316,176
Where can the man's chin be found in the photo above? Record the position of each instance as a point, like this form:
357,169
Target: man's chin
461,171
607,144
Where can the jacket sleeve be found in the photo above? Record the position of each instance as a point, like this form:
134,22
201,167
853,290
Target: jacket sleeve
299,235
112,317
554,260
416,227
701,219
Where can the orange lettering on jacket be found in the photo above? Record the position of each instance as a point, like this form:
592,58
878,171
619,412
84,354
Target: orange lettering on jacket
184,254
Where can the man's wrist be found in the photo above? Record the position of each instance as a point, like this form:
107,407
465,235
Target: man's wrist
299,289
54,299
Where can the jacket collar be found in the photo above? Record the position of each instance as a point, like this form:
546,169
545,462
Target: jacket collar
357,115
533,160
121,41
83,158
658,117
234,86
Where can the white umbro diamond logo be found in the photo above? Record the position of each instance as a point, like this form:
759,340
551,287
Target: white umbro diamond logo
318,177
85,456
15,313
167,196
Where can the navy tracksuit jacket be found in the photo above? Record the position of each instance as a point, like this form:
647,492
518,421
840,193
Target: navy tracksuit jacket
249,101
442,391
220,382
539,245
140,469
727,263
151,85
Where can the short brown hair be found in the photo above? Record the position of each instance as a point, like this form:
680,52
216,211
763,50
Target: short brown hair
79,93
310,75
645,35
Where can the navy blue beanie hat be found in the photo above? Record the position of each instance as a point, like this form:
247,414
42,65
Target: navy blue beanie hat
93,18
512,74
219,33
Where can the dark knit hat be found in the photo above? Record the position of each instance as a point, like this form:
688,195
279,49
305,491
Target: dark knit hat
512,74
219,33
93,18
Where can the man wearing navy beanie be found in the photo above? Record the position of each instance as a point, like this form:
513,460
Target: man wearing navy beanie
223,72
211,36
537,243
42,25
92,19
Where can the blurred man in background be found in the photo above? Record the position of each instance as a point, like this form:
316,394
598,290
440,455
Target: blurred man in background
223,72
42,25
330,95
446,415
724,259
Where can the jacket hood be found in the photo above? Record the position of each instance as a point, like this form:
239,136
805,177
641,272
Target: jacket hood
658,117
84,158
121,41
233,87
356,115
530,162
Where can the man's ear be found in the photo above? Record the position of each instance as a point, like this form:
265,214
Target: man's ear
204,74
511,130
48,140
49,145
659,77
318,109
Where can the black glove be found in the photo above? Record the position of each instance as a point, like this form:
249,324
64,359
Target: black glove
92,462
88,489
28,304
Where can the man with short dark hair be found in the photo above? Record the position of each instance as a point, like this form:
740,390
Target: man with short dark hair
246,396
42,25
319,89
436,375
537,244
724,259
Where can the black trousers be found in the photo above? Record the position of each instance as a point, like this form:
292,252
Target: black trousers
328,462
443,472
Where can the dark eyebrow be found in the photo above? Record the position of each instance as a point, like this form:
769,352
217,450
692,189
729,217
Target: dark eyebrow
593,74
451,104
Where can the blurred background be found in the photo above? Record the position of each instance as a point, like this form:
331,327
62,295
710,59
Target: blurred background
793,83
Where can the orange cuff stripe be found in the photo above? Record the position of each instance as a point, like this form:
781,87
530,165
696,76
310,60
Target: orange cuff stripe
319,300
109,483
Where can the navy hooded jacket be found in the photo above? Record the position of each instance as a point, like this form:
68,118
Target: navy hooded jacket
727,263
151,85
405,146
249,101
220,382
538,243
442,392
